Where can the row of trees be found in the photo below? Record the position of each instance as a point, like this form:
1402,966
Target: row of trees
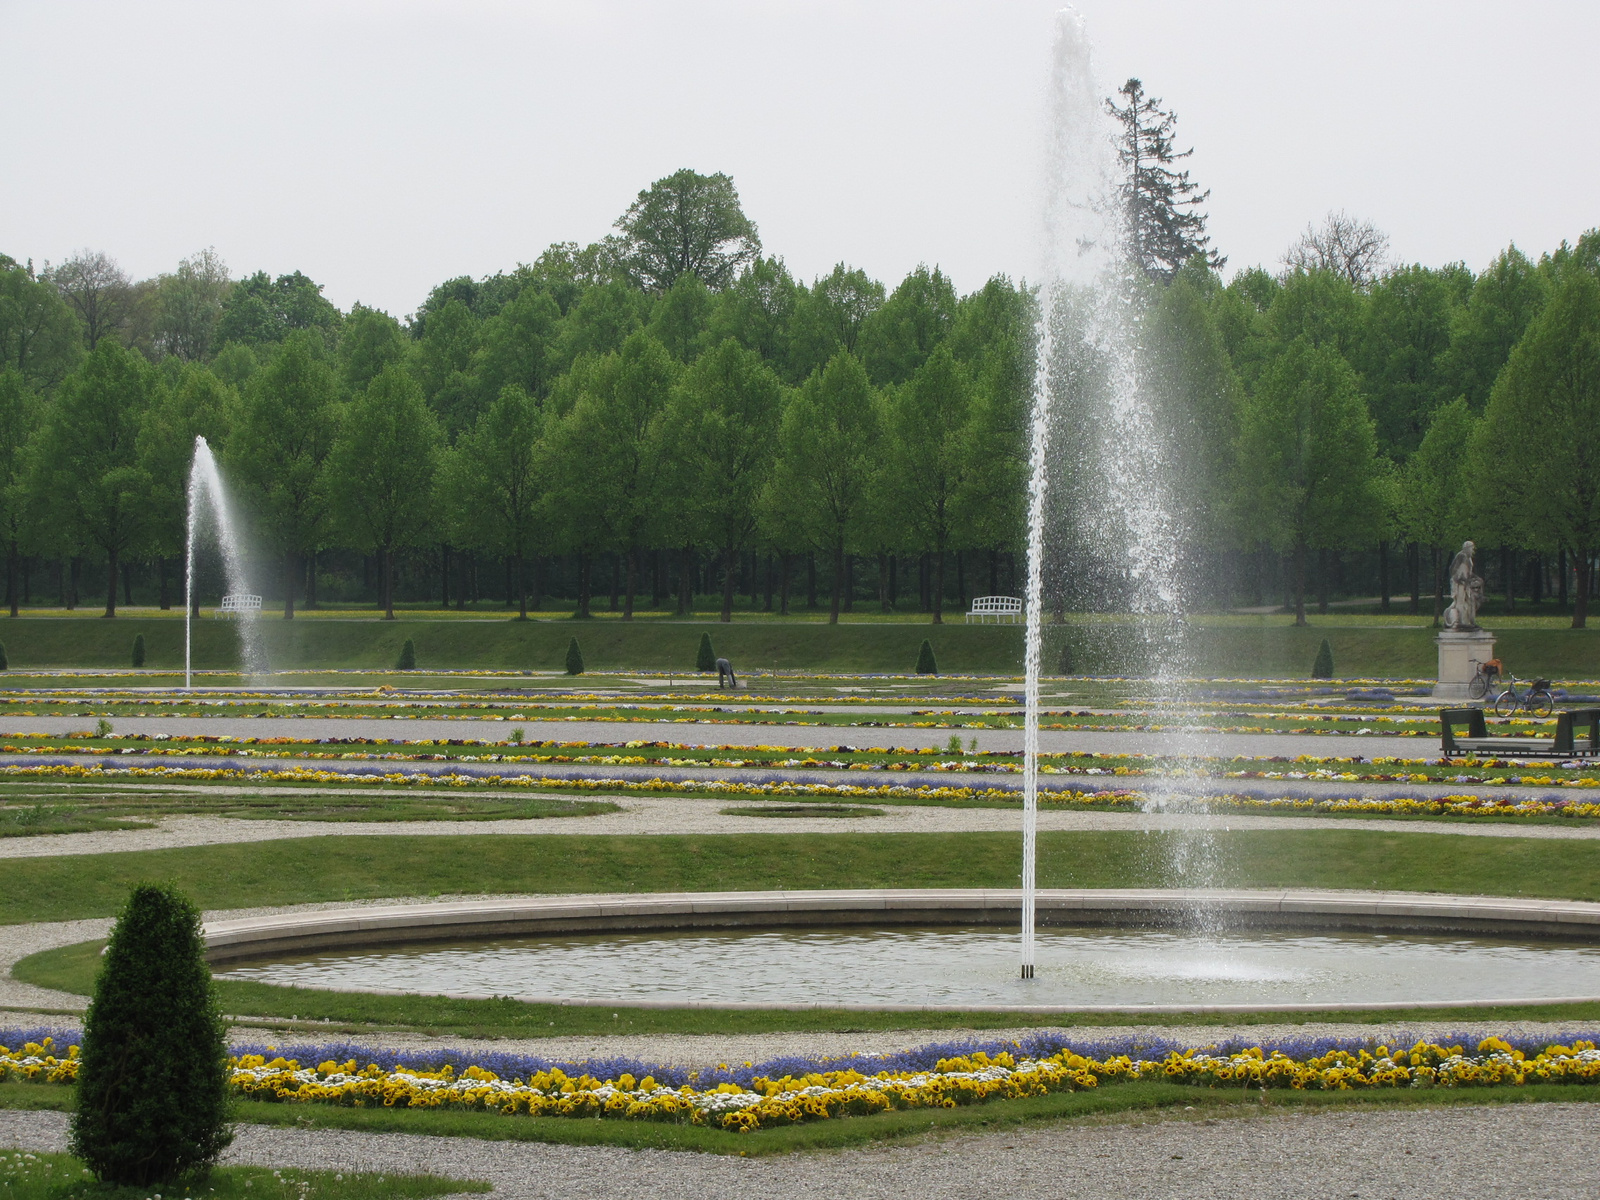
672,391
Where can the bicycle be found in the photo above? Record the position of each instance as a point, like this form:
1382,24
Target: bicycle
1485,678
1536,701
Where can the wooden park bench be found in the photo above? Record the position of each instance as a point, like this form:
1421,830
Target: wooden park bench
995,608
1477,740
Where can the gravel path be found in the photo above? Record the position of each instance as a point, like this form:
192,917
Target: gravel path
702,730
687,815
1492,1152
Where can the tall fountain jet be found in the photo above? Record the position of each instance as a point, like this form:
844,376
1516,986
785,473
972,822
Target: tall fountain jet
209,511
1092,429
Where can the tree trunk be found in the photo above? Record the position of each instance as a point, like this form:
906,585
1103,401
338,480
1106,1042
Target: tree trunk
1299,583
838,582
444,575
894,582
883,582
1414,567
1561,577
388,583
583,585
811,579
938,586
627,595
522,587
72,582
1580,602
616,579
111,582
1438,585
783,584
11,577
730,565
463,573
766,603
1383,576
291,582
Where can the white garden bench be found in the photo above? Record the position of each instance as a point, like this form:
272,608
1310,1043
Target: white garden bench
239,602
995,608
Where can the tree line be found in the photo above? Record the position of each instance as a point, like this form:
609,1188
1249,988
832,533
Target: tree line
672,404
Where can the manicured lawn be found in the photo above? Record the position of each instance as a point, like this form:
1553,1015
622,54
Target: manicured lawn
62,1177
1173,1100
350,868
1228,646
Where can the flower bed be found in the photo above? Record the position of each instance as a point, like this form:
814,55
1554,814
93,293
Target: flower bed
787,1092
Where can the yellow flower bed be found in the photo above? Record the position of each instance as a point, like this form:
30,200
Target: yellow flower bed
764,1102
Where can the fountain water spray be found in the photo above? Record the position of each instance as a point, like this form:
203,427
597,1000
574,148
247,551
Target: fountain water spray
1086,390
208,499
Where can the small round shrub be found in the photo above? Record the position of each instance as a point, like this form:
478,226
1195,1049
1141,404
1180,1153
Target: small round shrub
138,649
926,663
574,658
706,660
152,1094
408,657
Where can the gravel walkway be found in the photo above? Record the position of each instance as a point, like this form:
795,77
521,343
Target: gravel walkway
685,815
703,729
1498,1152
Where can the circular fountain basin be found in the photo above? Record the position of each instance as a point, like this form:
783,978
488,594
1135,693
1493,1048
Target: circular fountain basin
948,949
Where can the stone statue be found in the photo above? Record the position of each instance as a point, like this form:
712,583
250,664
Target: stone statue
1466,592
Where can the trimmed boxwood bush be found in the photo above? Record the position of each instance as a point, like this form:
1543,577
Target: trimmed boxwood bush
138,649
574,658
152,1095
1323,667
706,660
408,657
926,663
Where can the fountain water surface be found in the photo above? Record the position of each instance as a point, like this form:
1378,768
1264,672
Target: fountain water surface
210,512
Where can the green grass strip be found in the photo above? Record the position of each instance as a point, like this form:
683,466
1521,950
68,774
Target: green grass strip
300,870
1120,1100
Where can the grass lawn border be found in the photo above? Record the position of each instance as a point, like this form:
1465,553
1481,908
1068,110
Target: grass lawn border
1122,1100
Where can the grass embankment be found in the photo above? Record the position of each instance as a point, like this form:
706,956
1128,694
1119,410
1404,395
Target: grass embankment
1121,1100
1222,646
26,1176
350,868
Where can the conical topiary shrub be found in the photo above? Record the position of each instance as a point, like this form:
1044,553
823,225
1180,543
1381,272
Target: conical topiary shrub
574,658
4,664
138,649
706,660
1323,667
152,1100
408,657
926,663
1066,666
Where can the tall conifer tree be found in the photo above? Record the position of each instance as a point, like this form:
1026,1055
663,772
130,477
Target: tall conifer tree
1165,225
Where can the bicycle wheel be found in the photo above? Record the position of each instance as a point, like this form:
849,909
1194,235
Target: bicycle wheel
1541,704
1479,686
1507,703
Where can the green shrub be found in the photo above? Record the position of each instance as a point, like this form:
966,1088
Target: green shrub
1323,667
1066,666
138,649
4,664
408,657
706,660
926,663
152,1095
574,658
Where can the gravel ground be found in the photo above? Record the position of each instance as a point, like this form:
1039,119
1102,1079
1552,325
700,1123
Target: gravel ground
698,729
1502,1152
680,815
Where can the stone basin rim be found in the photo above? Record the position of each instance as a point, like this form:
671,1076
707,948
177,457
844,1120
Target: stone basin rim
1282,908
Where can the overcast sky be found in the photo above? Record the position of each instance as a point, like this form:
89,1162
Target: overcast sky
381,146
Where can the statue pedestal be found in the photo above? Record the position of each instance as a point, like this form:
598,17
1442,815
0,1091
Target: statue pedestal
1459,652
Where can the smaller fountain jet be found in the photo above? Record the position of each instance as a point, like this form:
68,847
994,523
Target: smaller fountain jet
207,497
